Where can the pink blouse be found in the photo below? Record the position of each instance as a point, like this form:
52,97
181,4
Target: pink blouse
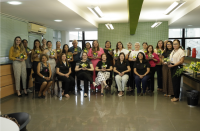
152,62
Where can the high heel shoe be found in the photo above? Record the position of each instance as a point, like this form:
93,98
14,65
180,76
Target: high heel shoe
19,95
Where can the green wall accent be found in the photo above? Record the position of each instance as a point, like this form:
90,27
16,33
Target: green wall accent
121,32
134,7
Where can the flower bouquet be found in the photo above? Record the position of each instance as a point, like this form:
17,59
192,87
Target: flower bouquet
28,50
75,50
84,65
104,65
109,50
69,57
52,53
85,50
22,56
129,51
150,56
134,57
58,51
166,60
145,51
159,52
95,54
116,56
37,51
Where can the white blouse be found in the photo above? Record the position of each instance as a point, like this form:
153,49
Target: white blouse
176,56
135,53
125,51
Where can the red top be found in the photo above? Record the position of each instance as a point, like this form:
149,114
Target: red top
152,62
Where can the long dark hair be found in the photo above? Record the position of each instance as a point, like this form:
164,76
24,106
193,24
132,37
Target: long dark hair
137,59
145,43
60,59
34,47
166,49
63,51
106,42
117,46
118,60
148,48
162,45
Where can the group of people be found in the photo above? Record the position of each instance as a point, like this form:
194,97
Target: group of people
96,65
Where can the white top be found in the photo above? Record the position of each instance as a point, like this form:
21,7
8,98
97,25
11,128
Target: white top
8,125
135,53
176,56
125,51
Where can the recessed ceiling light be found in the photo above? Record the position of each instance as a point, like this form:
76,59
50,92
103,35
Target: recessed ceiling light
58,20
77,28
189,25
14,2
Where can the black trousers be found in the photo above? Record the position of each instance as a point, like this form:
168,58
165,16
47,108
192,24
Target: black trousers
176,81
73,65
35,63
152,73
159,76
109,81
85,77
28,72
65,83
131,81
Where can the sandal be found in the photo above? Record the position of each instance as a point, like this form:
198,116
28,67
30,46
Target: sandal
67,96
174,99
102,94
85,95
119,95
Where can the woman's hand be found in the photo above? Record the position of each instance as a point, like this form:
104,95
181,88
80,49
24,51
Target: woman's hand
21,60
47,78
52,56
170,66
67,75
122,73
103,69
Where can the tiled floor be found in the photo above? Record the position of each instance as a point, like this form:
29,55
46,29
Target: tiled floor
108,113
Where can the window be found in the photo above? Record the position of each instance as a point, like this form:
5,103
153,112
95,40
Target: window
193,43
178,39
76,35
192,32
91,35
79,44
175,33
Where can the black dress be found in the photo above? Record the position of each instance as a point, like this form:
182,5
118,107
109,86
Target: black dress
44,71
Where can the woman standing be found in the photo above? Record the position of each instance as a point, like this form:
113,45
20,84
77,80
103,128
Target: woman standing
109,56
51,53
43,75
18,55
119,49
68,54
94,55
35,54
86,49
84,69
177,59
141,70
167,79
121,68
144,45
153,60
159,50
104,68
63,70
58,50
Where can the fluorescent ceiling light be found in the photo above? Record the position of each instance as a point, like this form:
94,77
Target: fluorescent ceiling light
77,28
58,20
97,11
156,24
189,25
109,26
174,7
14,2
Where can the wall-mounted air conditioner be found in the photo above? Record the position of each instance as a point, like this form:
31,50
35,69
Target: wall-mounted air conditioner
36,28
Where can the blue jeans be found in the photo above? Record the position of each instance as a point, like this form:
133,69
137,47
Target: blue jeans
144,83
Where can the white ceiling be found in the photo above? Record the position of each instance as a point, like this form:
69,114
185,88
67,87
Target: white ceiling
75,13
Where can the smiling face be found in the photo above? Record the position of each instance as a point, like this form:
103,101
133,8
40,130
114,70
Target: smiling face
75,44
121,57
84,56
160,44
129,46
95,44
58,44
140,56
169,45
144,46
150,49
176,45
25,43
137,46
17,41
87,45
119,45
66,48
37,44
64,57
44,59
104,57
108,44
49,44
44,41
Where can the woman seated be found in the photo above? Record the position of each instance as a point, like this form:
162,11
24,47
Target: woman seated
63,71
84,69
103,67
43,75
141,70
122,68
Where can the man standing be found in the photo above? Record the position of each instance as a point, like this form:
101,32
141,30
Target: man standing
76,51
28,63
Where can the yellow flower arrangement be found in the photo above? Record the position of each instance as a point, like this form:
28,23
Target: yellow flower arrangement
84,65
85,50
52,52
22,56
104,65
75,50
37,51
95,54
166,60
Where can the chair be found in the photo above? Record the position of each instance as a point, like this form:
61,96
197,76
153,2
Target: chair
22,118
35,88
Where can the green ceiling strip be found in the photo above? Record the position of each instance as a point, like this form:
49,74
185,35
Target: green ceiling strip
134,8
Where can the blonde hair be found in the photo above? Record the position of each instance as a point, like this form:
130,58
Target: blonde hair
74,41
22,49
